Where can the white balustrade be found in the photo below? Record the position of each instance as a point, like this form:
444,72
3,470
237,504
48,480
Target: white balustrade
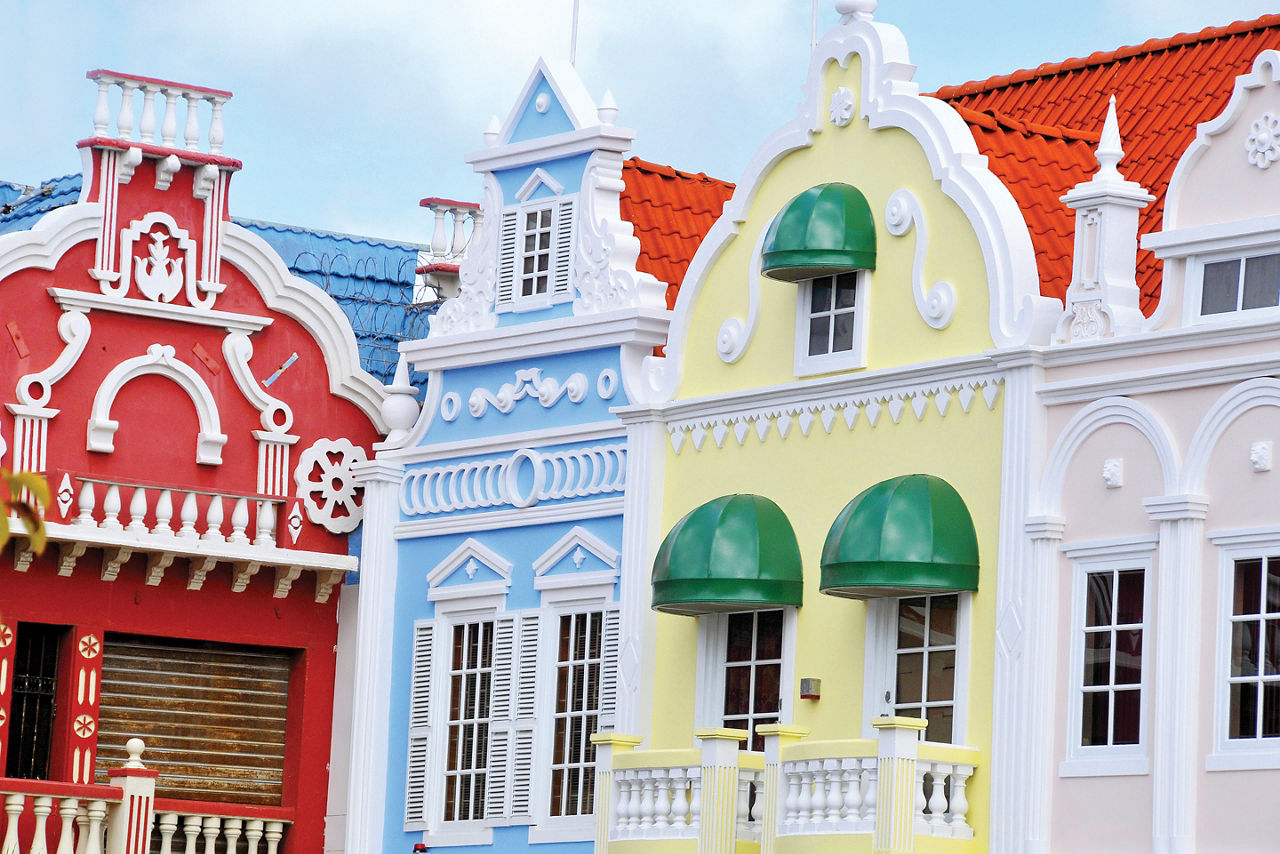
104,499
941,804
193,833
834,795
451,236
164,132
751,783
656,803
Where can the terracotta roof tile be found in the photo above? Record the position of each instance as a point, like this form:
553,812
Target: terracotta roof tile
1164,88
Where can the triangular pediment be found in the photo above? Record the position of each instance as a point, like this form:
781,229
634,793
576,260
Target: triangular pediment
471,563
553,101
578,551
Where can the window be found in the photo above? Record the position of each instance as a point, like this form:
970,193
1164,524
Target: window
753,671
577,713
31,709
470,687
534,255
829,324
1240,284
925,659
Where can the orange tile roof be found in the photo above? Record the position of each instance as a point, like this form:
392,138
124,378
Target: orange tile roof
1037,127
671,212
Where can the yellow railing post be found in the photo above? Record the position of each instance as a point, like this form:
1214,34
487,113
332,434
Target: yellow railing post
776,737
718,830
607,743
899,744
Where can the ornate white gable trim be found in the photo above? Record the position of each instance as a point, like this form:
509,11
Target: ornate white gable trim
577,538
469,557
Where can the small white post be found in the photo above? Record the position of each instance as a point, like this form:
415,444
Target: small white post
899,743
13,805
67,815
717,829
129,823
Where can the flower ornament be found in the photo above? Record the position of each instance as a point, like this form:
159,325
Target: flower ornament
841,108
1263,143
327,484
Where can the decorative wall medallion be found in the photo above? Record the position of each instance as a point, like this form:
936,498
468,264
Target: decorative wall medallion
841,107
65,495
84,725
294,522
1113,473
1259,456
4,717
607,384
529,383
1263,143
89,646
327,484
450,406
6,635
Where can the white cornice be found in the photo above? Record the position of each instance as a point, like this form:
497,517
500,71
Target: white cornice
1216,237
52,235
88,301
517,518
1172,376
542,149
644,326
503,443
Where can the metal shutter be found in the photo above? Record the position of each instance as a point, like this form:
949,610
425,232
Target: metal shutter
213,716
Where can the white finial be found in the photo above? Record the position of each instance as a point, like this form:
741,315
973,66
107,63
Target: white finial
491,132
134,748
860,9
400,407
1109,150
608,109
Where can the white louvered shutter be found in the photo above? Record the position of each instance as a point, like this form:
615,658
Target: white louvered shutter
526,721
564,248
611,643
415,798
497,798
507,256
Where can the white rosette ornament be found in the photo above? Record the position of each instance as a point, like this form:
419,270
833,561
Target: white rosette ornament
327,484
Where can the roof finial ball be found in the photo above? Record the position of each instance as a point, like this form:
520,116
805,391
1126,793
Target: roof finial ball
859,9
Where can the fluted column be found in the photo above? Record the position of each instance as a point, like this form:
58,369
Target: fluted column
607,743
899,745
777,737
718,829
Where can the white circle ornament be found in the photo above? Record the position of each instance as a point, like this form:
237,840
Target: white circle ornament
327,484
1263,143
841,108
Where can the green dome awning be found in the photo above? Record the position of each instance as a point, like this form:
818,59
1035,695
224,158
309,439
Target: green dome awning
826,229
904,536
736,553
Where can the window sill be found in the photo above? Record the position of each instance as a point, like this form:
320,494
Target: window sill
1256,759
470,833
575,829
1105,766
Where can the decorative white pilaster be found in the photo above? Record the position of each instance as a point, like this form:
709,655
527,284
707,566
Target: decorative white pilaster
1175,755
717,830
370,693
899,744
607,743
776,737
1102,300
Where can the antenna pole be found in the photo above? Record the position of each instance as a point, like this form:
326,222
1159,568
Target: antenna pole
813,40
573,39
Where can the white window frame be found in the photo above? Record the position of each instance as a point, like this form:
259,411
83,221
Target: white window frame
563,246
1236,754
713,635
1108,760
1195,279
825,363
880,668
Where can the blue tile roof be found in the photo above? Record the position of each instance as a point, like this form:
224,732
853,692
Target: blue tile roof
372,280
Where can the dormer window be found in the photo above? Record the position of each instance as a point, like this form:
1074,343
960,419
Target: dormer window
1240,284
824,240
535,247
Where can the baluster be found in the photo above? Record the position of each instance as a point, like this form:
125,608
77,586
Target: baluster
265,535
232,834
124,118
187,516
835,793
622,809
818,802
695,797
164,513
804,806
662,799
216,136
274,831
41,808
102,110
743,807
458,242
111,509
871,798
137,511
97,816
791,802
646,800
920,800
239,521
66,835
679,798
191,830
147,124
169,127
212,825
82,828
13,805
213,519
938,795
168,824
851,771
438,245
959,807
86,504
191,133
253,834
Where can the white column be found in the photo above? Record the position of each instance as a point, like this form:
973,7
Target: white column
717,831
898,740
607,743
370,690
770,812
1177,698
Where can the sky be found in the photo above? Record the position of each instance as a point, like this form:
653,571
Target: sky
345,118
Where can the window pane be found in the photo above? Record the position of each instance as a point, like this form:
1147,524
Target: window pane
942,620
1270,709
845,289
1093,717
737,690
1129,597
544,218
1220,287
767,685
531,221
739,641
1244,648
530,243
1261,281
1248,587
1127,713
528,264
1128,656
1271,657
1097,609
942,675
457,647
769,634
1273,585
911,623
1244,711
940,720
819,335
1097,658
910,673
820,295
544,240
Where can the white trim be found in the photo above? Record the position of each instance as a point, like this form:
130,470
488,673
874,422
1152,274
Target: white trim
1235,402
502,442
1243,234
1114,555
712,639
470,549
1193,281
1171,376
73,300
515,518
539,177
576,536
237,348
